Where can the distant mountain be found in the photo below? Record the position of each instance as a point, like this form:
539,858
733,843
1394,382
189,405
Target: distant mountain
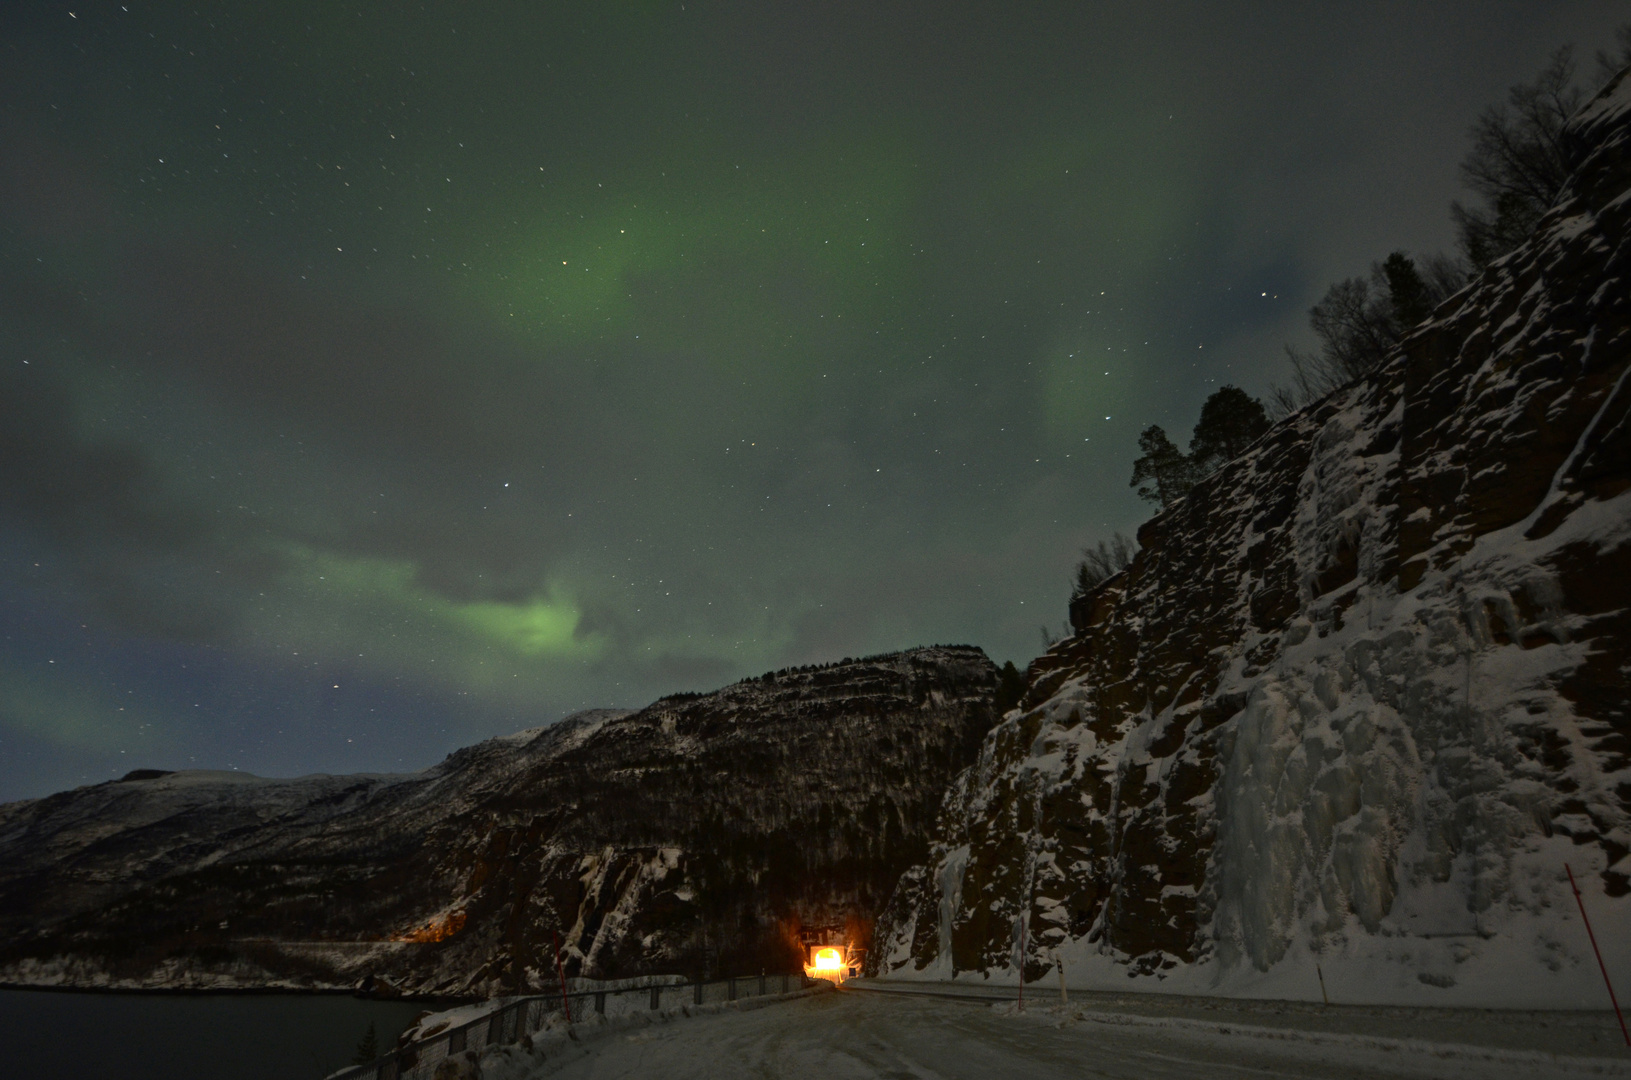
699,834
1361,694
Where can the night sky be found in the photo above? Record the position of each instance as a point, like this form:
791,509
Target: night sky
375,378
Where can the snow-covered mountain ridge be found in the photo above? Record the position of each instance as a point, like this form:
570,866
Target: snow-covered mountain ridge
698,833
1361,694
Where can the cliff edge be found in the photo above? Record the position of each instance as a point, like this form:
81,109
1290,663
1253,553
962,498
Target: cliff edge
1361,694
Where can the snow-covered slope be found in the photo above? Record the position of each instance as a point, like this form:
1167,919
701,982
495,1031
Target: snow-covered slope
700,832
1361,694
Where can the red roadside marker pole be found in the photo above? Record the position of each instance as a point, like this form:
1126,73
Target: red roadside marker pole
1024,925
1600,965
560,969
1024,933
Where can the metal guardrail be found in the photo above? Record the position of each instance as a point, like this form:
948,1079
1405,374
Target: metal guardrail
418,1060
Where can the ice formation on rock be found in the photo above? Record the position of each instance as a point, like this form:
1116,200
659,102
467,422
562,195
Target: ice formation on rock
1362,692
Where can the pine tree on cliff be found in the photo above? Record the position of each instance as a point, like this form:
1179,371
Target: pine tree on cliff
1010,688
1231,420
1408,295
1163,473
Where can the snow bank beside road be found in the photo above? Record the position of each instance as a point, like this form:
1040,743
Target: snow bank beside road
856,1034
1317,1045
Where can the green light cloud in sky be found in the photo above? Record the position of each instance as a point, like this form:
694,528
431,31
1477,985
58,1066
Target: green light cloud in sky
510,362
68,709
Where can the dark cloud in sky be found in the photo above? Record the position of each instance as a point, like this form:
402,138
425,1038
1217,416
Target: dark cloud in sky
78,495
100,507
376,379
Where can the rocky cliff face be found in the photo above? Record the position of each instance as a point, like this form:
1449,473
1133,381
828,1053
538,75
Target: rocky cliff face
697,834
1361,694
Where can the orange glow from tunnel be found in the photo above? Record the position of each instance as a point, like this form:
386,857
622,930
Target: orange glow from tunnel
827,963
436,929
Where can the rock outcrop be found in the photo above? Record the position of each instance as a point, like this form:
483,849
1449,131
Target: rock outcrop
697,835
1361,693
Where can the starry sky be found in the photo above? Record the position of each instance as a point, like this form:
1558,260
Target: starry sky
378,377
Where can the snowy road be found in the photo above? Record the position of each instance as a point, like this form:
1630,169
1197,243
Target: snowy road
902,1036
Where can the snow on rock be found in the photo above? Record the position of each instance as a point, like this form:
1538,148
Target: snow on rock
694,836
1361,694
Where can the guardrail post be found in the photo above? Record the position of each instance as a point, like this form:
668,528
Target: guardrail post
656,996
732,992
698,987
600,1002
761,984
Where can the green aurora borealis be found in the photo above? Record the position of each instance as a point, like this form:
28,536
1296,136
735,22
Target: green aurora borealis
376,378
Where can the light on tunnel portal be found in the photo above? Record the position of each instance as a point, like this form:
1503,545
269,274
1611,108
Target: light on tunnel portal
827,963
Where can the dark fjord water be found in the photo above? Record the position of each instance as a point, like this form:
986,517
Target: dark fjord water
47,1036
